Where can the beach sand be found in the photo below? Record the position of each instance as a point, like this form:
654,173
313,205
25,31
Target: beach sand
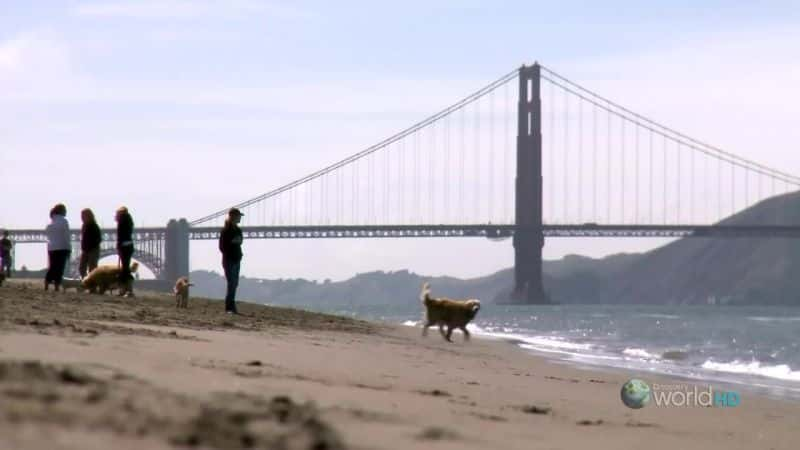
80,371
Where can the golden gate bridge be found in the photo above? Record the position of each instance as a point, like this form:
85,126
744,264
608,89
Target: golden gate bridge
528,156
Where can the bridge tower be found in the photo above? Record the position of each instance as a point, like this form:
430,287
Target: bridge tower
528,237
176,250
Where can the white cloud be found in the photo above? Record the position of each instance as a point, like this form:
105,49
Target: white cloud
185,9
33,54
39,68
343,96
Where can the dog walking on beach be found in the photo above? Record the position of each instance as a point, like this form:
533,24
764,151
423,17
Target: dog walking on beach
181,291
104,278
447,312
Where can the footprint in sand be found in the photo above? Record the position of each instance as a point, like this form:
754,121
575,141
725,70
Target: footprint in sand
533,409
587,422
490,417
437,434
637,424
571,380
435,393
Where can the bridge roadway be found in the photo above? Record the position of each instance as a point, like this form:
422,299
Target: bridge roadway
109,235
502,231
477,230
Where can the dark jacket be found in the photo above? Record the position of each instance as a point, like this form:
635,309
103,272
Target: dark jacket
90,236
230,242
5,247
125,230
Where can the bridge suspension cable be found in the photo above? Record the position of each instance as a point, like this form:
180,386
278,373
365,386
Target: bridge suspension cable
455,167
631,192
654,126
354,158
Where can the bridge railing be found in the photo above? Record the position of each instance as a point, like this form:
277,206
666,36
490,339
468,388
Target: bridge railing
40,236
492,231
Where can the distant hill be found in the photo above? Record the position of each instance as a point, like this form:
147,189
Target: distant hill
578,277
735,270
687,271
372,288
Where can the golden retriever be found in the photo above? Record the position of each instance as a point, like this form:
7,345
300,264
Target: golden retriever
104,278
181,291
447,312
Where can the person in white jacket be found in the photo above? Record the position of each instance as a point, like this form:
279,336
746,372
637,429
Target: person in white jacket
58,246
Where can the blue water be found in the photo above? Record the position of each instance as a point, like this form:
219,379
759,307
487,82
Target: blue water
754,346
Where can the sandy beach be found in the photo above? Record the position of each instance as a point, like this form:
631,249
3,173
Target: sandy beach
80,371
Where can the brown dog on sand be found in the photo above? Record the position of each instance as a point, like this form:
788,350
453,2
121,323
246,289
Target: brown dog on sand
444,311
104,278
181,291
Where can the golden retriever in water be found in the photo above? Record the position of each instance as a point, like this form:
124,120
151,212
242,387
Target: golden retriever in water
444,311
104,278
181,291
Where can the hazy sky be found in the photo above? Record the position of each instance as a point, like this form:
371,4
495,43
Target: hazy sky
180,108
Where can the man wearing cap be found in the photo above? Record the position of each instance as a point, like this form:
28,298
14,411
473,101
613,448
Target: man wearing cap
125,249
230,244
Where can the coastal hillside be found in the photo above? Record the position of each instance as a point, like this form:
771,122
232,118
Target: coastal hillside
733,270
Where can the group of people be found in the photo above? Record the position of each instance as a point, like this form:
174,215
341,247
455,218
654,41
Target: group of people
59,247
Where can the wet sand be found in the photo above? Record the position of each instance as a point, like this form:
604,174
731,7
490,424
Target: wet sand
81,371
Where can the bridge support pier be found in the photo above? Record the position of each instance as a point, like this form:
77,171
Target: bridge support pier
176,250
529,236
528,286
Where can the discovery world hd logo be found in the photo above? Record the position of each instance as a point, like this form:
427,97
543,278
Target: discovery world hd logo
637,394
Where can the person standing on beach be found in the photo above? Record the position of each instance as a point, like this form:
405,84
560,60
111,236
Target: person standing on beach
58,246
90,242
230,244
5,252
125,249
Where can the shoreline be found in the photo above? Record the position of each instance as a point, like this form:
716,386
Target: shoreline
362,385
778,388
774,391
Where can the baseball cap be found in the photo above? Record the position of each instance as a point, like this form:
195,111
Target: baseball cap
235,212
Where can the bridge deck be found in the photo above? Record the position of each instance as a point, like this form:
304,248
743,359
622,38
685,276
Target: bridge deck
477,230
503,231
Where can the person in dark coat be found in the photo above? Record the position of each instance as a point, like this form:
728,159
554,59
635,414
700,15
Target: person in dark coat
230,244
91,237
125,250
6,246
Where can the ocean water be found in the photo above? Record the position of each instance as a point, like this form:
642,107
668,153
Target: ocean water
755,347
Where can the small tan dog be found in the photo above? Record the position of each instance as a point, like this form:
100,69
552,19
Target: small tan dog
104,278
444,311
181,291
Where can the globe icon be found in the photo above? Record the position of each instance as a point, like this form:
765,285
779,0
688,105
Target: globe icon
635,393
